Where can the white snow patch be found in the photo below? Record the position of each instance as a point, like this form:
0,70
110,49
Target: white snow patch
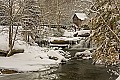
118,78
33,59
64,38
53,53
83,32
68,34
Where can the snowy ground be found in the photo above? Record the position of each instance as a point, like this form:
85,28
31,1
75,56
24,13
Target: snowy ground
118,78
34,57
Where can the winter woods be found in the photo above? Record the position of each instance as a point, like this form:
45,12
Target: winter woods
32,15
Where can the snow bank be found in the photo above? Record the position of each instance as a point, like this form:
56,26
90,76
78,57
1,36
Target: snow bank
34,58
4,41
2,47
118,78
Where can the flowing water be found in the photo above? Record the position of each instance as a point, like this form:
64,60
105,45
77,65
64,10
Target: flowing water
72,70
84,70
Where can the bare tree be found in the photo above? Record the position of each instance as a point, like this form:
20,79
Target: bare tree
14,9
11,10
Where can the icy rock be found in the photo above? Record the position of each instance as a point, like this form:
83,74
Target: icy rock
84,55
63,61
54,58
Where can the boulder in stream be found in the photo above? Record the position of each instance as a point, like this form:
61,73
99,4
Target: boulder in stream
83,55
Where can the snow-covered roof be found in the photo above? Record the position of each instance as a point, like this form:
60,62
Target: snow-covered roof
81,16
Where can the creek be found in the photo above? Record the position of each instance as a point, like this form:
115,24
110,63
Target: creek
73,70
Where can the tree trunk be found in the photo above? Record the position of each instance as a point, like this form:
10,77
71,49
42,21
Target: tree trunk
10,26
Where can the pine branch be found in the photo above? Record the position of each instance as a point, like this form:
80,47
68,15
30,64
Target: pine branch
111,29
106,23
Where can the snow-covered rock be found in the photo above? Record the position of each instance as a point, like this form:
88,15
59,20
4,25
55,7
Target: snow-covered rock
83,55
83,33
68,34
53,53
65,54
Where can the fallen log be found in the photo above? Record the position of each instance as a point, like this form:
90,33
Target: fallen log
3,53
84,35
59,42
14,51
7,71
62,42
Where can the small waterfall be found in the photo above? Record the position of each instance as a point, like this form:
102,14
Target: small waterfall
83,43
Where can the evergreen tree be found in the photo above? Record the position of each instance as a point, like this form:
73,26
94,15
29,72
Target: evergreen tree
105,30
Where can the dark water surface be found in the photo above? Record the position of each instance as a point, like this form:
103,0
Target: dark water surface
84,70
